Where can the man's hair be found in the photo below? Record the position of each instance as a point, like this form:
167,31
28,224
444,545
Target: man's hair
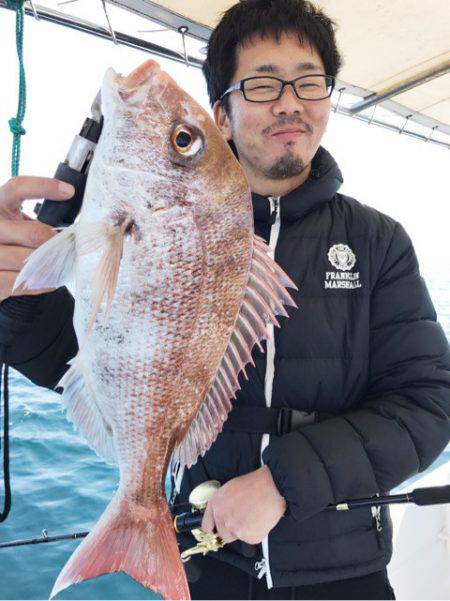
266,18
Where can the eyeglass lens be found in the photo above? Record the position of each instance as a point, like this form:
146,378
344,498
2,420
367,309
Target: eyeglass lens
311,87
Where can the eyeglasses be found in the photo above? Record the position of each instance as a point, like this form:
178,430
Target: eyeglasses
267,89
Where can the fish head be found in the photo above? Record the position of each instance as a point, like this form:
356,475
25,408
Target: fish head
155,128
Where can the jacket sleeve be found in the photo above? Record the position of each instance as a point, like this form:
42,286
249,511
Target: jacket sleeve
403,422
37,335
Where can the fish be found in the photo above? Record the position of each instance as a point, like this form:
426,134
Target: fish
173,289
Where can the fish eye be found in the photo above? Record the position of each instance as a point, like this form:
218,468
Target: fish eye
185,141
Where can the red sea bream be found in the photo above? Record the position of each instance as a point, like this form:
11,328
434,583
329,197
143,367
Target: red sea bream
173,289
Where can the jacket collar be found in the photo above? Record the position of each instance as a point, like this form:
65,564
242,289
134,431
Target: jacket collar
322,184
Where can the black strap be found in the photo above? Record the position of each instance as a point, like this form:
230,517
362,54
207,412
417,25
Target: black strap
6,476
267,420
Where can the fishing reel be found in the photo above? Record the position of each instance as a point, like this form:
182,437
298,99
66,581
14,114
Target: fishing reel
190,521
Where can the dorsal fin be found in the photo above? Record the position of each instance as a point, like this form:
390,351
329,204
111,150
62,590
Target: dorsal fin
264,297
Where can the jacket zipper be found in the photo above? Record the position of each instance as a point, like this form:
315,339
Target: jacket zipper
376,515
263,566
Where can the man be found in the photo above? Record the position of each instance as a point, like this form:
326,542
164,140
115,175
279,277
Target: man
362,356
352,395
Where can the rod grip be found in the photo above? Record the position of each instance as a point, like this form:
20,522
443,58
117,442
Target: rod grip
432,495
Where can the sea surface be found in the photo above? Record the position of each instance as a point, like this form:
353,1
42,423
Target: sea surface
60,485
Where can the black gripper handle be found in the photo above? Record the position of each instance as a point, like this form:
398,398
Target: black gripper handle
61,213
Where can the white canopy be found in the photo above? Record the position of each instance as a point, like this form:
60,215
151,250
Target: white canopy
396,52
386,45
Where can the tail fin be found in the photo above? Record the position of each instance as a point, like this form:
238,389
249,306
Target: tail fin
133,539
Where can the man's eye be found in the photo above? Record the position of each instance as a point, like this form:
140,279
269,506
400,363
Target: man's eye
263,88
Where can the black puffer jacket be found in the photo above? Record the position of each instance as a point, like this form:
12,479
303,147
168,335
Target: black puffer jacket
363,350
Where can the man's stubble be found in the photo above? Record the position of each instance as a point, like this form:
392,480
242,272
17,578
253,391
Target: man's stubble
287,166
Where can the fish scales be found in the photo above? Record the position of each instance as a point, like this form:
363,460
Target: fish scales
162,254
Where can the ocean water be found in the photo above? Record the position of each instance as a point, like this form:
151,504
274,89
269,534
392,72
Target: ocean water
60,485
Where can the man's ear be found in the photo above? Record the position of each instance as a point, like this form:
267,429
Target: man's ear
222,121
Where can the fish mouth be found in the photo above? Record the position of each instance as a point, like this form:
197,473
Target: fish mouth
140,75
148,78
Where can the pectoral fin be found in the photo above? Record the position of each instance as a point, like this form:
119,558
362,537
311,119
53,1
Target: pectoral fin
52,264
105,279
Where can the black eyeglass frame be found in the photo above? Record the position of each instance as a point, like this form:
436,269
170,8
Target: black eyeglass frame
239,85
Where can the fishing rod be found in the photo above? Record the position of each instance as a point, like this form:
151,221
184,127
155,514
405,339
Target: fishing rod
44,539
191,520
432,495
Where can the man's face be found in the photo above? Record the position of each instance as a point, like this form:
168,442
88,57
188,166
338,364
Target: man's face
255,127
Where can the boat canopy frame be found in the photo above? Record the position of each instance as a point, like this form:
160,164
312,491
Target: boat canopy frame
170,20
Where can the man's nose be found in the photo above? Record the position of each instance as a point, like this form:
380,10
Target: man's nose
289,102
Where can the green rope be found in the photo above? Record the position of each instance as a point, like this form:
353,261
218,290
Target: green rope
15,123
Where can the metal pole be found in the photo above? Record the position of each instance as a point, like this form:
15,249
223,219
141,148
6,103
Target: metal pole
412,82
391,127
73,22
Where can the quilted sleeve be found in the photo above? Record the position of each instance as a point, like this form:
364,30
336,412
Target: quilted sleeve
37,335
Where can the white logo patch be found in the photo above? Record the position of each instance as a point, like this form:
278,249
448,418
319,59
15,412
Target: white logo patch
343,258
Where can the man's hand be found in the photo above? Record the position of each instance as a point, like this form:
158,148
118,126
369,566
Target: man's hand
245,508
19,234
